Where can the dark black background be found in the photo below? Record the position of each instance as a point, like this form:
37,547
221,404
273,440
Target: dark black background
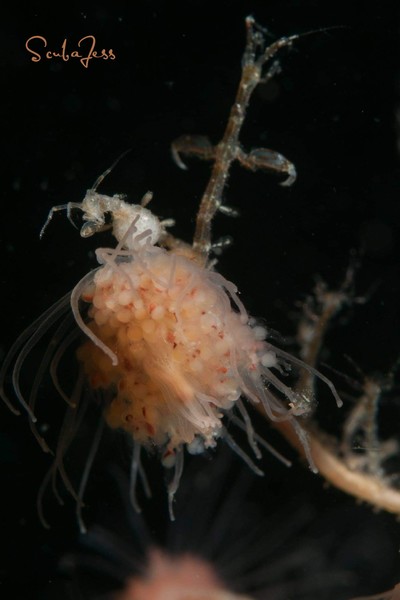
332,111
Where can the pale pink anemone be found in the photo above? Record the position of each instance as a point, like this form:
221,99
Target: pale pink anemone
169,345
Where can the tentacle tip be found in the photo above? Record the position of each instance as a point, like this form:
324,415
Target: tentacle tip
339,401
136,506
170,507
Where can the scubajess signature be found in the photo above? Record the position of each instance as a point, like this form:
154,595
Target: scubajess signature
85,51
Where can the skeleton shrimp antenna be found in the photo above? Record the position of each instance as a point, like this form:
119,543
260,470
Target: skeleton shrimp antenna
108,171
71,205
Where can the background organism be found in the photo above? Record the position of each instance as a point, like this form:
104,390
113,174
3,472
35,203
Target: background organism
356,460
170,344
207,553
